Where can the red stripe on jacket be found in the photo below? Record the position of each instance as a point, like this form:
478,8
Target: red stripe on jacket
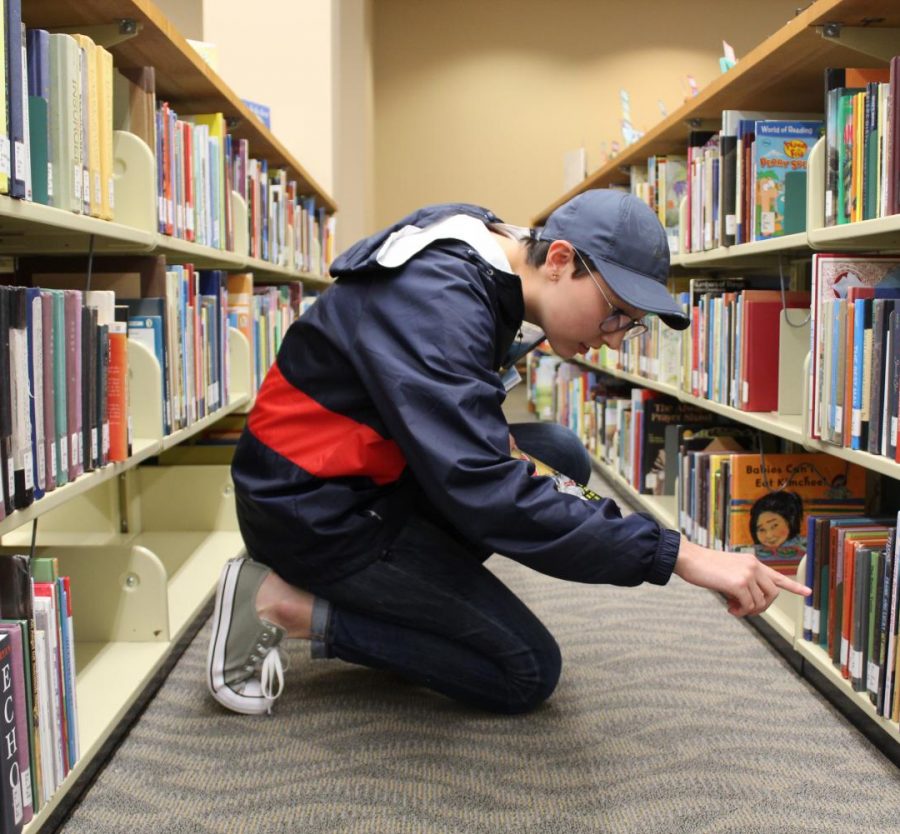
324,443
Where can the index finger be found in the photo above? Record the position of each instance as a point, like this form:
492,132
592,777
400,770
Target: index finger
788,584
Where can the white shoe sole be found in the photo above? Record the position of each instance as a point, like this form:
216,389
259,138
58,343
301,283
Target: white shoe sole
215,663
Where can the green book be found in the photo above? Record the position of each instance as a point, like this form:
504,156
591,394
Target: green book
39,145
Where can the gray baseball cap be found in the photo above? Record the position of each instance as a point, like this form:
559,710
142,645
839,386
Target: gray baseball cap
626,242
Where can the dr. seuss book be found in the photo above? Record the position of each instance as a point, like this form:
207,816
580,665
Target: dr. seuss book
780,156
772,495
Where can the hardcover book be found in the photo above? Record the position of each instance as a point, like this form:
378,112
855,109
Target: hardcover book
772,495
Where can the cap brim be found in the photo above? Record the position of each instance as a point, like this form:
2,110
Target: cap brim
643,293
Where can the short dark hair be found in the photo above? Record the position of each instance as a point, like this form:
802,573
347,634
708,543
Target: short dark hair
536,255
788,505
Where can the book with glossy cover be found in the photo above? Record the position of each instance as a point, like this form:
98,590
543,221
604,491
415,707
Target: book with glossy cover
772,495
780,147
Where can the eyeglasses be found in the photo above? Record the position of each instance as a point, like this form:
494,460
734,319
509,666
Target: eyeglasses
616,321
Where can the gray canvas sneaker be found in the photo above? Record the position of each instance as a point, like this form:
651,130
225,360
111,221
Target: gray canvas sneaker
245,671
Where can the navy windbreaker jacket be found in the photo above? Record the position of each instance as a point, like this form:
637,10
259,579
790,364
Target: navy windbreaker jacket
385,400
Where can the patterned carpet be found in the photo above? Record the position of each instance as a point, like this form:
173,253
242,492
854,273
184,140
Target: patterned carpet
671,716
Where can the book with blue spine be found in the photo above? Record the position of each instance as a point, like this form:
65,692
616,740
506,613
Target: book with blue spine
779,147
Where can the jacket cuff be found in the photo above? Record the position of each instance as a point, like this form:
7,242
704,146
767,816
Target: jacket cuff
666,554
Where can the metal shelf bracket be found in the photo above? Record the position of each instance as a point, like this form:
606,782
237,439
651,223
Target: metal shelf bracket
878,42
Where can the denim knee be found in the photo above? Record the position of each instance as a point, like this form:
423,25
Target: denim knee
534,682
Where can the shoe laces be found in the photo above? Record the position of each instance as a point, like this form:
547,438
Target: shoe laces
271,676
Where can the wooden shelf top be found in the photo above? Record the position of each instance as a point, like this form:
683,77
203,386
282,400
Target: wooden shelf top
785,72
182,77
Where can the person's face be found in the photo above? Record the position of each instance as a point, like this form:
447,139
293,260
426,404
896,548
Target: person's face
575,309
772,529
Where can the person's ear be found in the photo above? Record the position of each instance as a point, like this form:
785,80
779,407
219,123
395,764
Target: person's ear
559,256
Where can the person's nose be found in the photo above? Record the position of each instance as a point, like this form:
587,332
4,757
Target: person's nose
611,340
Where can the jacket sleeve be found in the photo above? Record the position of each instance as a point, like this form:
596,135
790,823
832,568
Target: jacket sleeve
424,348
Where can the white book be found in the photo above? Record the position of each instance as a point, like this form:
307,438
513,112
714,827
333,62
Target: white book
46,620
45,714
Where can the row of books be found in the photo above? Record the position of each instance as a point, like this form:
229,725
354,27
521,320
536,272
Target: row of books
853,614
64,374
860,148
56,118
731,353
60,101
199,164
63,390
855,344
39,719
744,182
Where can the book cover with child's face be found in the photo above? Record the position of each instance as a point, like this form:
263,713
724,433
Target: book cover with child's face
772,496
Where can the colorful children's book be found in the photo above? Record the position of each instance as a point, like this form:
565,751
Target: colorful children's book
781,149
772,495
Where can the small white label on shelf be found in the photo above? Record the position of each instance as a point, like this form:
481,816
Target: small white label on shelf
64,456
4,156
53,459
20,159
816,616
838,419
873,673
112,193
829,203
845,651
855,663
745,391
97,190
49,179
893,428
807,618
857,421
730,224
29,469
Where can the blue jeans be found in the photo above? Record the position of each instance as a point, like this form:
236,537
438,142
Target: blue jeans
430,610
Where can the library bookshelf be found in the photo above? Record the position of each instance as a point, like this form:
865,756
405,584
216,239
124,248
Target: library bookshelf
143,545
784,73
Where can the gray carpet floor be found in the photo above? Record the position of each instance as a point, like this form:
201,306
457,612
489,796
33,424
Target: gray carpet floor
671,716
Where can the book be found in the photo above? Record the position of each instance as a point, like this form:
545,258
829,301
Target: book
38,49
65,123
16,603
759,345
12,810
17,101
772,494
7,486
23,466
17,687
780,147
